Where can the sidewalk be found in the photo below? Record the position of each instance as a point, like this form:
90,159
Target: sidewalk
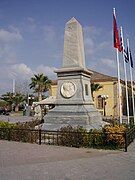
12,118
22,161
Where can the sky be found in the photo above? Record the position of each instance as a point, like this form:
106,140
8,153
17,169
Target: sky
32,36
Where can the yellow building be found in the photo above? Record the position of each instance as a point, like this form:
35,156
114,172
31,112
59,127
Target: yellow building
105,99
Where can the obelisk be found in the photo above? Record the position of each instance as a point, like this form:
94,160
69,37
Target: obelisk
74,105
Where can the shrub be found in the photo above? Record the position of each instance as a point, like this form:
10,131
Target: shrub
4,134
108,137
25,132
97,137
28,125
21,131
81,137
115,134
7,125
69,136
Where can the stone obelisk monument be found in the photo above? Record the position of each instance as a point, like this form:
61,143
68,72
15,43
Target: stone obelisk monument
74,105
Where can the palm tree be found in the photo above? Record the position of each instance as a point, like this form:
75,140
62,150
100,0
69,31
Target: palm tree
11,98
95,87
17,99
40,83
8,98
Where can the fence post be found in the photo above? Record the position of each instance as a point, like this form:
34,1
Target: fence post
125,135
9,134
58,137
39,136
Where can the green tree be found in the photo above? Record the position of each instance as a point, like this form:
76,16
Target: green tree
17,99
95,87
40,83
13,98
8,98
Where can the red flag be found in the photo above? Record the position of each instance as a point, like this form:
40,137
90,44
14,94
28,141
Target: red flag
117,43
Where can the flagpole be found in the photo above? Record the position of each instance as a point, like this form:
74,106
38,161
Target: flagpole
131,81
119,88
118,72
125,73
13,86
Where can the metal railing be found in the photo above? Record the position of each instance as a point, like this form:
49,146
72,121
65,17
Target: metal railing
129,137
72,139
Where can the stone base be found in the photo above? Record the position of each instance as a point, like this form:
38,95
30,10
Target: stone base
73,115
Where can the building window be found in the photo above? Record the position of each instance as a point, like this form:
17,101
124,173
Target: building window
86,90
99,102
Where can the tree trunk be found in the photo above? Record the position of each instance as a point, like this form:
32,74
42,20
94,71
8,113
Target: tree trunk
16,108
40,96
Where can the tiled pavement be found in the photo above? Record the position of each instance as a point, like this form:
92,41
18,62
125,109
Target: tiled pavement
15,118
22,161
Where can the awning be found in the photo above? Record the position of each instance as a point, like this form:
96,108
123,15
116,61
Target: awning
47,101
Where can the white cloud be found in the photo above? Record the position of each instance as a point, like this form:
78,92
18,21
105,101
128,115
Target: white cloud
89,46
7,54
28,25
93,41
8,37
109,63
47,71
88,41
8,43
20,71
106,66
30,19
92,30
103,45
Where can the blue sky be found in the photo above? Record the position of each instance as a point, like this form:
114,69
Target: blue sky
32,35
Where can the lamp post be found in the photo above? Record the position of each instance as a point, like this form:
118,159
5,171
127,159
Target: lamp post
30,97
104,97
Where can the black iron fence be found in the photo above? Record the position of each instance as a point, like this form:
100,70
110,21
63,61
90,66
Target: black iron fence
129,137
72,139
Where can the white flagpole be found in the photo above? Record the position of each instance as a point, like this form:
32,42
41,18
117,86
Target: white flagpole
125,73
131,82
119,88
118,71
13,86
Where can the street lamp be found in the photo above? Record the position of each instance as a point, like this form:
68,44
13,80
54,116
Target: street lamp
30,97
104,97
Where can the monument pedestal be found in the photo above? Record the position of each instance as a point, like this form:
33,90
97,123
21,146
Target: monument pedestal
73,115
74,105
